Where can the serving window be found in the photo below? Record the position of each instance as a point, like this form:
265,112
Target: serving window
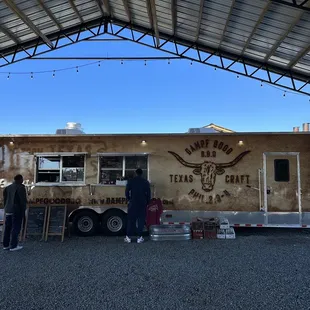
121,167
58,168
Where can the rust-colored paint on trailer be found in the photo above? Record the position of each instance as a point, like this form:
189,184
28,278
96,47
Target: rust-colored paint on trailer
188,171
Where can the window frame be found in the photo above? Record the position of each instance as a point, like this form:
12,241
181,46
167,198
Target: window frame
124,155
60,155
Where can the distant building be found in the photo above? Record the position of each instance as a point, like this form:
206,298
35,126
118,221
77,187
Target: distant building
211,128
305,127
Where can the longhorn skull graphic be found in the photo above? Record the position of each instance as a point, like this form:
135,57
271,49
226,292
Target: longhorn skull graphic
208,170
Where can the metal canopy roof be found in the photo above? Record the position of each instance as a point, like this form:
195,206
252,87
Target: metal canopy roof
269,35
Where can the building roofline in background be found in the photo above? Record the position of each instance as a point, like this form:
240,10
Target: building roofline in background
218,128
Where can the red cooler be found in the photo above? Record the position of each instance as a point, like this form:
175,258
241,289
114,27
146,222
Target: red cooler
154,211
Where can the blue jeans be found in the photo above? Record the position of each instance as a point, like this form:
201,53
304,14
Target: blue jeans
13,224
135,215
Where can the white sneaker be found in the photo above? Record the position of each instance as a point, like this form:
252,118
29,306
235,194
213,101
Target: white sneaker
7,248
127,239
19,247
140,240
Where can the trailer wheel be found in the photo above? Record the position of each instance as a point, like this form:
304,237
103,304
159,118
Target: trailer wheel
85,223
114,223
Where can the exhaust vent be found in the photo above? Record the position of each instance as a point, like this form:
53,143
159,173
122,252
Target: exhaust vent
71,129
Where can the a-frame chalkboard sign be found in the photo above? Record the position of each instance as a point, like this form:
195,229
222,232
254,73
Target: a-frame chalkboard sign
35,223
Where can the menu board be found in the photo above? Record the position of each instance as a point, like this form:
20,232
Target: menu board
35,222
56,221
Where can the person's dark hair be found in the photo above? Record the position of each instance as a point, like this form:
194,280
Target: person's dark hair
18,178
139,172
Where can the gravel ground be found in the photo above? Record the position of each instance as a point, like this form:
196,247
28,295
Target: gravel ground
261,269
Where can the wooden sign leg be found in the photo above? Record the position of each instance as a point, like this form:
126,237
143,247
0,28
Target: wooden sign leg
26,224
48,221
44,224
21,233
64,225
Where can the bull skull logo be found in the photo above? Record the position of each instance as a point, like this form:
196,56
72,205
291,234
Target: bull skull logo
208,170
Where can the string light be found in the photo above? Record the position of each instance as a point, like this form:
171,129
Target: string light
145,63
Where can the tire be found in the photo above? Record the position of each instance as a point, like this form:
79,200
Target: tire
114,223
86,223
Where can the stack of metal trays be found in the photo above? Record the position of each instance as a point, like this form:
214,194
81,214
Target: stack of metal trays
170,232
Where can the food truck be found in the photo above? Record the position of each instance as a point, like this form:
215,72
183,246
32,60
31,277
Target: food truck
252,179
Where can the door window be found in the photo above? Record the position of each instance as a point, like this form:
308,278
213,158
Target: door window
281,170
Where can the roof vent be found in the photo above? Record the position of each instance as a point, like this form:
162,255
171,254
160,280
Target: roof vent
71,129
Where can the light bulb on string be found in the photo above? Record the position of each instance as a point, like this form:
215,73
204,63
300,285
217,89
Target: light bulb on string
191,62
31,76
53,73
168,61
77,69
284,94
99,64
9,75
145,62
261,83
122,62
237,76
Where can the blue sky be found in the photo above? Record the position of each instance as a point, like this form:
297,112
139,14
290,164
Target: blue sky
134,98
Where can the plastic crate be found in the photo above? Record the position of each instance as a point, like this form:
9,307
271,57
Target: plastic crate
197,234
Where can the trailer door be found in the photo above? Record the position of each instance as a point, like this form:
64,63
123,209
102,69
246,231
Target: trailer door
282,189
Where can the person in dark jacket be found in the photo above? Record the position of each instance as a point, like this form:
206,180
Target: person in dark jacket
138,194
15,202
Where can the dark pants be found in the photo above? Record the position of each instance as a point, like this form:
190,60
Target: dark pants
134,215
12,229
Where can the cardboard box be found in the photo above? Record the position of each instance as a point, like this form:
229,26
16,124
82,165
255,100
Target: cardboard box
221,234
224,223
230,233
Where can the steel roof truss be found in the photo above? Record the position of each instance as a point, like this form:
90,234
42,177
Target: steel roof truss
49,13
76,11
28,22
126,7
227,22
199,19
126,32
